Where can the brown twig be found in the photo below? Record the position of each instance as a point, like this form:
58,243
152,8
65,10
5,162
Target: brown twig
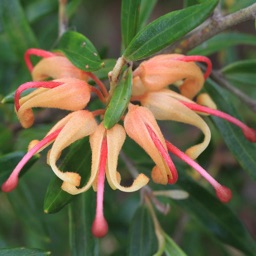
63,19
216,24
220,79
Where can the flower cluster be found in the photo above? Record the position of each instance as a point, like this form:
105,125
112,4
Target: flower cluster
57,83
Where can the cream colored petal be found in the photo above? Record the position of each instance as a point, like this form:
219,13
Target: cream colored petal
96,142
163,70
135,126
76,125
56,67
164,106
72,95
115,139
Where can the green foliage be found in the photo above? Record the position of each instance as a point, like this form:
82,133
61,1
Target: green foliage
147,27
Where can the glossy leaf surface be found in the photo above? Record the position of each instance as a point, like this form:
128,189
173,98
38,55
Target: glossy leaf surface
119,101
243,150
222,41
129,20
166,30
77,160
80,51
23,252
215,216
142,239
81,214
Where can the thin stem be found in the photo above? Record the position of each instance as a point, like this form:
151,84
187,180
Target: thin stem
220,79
98,93
63,19
99,83
215,25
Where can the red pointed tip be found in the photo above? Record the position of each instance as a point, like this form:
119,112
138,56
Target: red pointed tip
10,184
224,194
250,134
99,227
173,180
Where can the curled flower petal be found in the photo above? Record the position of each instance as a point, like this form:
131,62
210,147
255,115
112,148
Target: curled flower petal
76,125
96,142
136,121
115,140
57,67
163,70
69,94
165,106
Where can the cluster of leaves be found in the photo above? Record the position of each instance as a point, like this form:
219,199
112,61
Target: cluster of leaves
210,222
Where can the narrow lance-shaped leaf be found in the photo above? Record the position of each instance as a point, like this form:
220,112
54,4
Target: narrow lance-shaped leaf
119,101
214,216
9,161
15,25
167,29
81,214
146,9
222,41
80,51
171,248
142,238
23,251
129,20
243,150
78,160
242,72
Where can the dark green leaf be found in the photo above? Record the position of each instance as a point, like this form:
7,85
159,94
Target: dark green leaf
241,71
103,72
23,252
142,239
77,160
129,20
171,248
81,214
80,51
146,9
222,41
243,150
9,161
119,101
16,27
188,3
167,29
215,216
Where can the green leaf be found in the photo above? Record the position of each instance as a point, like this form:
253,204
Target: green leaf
81,215
222,41
129,20
243,150
171,248
142,238
167,29
23,251
77,160
103,72
80,51
241,71
146,9
215,216
16,27
9,161
119,101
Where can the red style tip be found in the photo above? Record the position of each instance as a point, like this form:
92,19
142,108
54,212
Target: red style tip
10,185
249,134
99,227
223,193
